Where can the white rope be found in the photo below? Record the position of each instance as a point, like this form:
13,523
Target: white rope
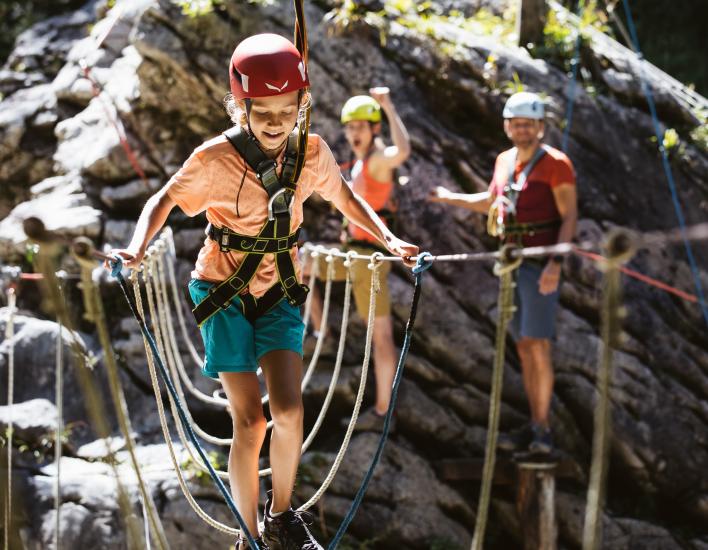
160,327
59,396
9,338
338,362
340,352
166,431
323,324
168,236
157,272
314,271
374,266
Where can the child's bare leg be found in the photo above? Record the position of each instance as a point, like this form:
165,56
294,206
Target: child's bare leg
249,425
315,308
283,374
384,362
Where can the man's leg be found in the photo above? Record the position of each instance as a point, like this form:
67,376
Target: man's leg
535,355
283,374
249,424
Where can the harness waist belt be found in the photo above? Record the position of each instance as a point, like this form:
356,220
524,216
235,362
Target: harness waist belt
530,228
229,240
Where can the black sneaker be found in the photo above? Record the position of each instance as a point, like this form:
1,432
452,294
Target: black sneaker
542,441
516,440
287,531
242,544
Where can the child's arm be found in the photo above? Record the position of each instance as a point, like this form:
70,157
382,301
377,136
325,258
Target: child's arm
477,202
151,220
358,211
393,156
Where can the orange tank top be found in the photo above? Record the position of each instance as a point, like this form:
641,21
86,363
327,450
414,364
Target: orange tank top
376,193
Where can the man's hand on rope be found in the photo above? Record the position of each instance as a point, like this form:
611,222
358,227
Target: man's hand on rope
439,194
405,250
548,283
131,258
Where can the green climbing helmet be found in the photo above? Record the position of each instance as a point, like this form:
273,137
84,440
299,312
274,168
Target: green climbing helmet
361,107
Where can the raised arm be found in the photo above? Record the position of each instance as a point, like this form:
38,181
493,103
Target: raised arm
477,202
394,155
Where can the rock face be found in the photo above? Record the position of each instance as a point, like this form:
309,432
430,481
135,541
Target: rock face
160,79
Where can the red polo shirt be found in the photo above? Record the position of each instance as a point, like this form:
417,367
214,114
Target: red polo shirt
536,202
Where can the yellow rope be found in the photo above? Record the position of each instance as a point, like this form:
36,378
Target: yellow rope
610,331
10,339
504,270
95,313
59,397
92,398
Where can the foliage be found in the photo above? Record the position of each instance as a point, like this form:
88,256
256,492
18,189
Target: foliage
561,33
199,8
216,459
429,19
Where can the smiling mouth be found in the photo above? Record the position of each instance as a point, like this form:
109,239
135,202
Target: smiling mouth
271,135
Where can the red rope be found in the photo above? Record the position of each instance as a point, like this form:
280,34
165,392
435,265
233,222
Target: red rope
96,89
641,277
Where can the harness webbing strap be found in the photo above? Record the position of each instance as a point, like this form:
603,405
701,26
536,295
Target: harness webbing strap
228,240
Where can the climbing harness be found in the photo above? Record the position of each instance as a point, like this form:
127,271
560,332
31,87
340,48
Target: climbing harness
504,269
502,213
274,237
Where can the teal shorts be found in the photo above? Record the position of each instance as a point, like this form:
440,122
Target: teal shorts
233,344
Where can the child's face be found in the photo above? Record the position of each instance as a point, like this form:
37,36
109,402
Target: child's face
360,134
273,118
524,132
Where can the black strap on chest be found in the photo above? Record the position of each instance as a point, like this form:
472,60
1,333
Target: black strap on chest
514,186
274,237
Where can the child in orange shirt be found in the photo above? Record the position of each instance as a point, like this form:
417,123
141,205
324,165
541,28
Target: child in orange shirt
245,283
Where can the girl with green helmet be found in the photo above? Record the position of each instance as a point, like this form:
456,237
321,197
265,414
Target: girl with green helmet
371,173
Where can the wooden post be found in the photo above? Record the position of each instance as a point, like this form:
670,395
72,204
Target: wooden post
536,505
530,21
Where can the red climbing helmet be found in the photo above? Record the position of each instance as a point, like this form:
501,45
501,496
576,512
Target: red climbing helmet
265,65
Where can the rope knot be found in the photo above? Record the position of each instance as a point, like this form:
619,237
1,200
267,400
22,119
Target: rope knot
424,262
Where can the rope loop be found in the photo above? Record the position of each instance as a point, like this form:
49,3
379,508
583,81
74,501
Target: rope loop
507,262
424,262
116,264
375,260
349,258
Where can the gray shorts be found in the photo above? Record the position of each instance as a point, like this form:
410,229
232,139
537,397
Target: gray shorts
535,315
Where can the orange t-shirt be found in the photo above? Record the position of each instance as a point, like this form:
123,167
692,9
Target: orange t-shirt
376,193
211,180
536,202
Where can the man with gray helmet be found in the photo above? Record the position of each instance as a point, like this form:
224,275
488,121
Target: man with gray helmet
531,201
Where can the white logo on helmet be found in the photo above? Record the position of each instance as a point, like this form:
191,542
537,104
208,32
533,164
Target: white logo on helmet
301,68
244,82
275,88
